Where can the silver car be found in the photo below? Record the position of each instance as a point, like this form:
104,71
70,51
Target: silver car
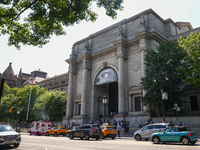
146,131
8,136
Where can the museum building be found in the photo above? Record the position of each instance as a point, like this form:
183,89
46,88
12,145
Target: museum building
105,69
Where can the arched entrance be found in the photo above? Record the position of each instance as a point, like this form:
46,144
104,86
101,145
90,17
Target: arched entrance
106,83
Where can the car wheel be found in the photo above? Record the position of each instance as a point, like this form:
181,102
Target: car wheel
71,136
37,134
47,134
16,145
156,140
81,138
138,137
56,134
113,138
63,135
87,137
30,133
97,138
185,141
192,143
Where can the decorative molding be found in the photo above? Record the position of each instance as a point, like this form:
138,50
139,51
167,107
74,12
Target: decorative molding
136,65
105,64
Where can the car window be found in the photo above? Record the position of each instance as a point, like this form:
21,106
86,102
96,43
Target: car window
102,128
5,128
168,130
111,128
146,128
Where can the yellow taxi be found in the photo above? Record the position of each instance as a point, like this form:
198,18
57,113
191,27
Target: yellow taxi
109,131
57,131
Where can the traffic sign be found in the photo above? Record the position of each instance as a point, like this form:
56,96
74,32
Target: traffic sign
175,105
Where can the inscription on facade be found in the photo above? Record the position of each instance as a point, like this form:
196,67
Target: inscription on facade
104,57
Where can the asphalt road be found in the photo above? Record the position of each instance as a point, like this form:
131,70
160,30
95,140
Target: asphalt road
63,143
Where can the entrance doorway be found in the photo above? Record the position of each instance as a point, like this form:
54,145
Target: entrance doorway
113,98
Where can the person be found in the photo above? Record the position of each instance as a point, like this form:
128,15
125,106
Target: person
180,124
171,124
127,129
18,129
151,121
118,130
108,121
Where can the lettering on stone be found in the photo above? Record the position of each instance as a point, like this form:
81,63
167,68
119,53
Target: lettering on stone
136,65
104,57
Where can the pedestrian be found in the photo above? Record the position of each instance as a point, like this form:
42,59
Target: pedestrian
180,124
127,129
118,130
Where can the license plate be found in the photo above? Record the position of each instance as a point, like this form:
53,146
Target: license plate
10,142
97,130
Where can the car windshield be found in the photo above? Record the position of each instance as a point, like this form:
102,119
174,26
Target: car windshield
5,128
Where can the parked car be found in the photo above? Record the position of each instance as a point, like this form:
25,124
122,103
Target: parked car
86,131
57,131
8,136
146,131
175,134
109,132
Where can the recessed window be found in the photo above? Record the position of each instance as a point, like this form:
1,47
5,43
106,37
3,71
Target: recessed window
194,103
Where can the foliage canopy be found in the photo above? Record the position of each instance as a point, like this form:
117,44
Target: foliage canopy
164,62
191,45
47,17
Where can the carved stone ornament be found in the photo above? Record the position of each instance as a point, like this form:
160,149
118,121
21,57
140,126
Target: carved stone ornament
142,20
136,65
105,64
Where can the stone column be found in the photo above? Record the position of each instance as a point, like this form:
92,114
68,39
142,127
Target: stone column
121,81
85,85
146,108
69,108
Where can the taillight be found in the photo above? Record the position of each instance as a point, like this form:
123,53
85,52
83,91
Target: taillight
93,129
190,133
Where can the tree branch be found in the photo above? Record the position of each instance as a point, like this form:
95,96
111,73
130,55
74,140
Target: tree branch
31,4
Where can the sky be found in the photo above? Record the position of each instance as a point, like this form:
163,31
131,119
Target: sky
51,57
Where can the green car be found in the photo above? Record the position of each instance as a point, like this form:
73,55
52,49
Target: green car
175,134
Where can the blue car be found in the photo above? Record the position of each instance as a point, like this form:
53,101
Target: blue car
175,134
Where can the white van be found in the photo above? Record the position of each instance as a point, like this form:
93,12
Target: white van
40,127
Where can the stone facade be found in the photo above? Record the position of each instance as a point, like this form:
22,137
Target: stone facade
59,82
118,49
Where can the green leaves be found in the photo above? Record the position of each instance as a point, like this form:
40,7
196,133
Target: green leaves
191,45
42,19
48,103
165,61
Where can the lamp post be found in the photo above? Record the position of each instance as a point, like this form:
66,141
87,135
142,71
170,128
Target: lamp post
164,95
29,100
104,104
18,112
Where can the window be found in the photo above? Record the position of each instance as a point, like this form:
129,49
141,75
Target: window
194,103
79,109
137,104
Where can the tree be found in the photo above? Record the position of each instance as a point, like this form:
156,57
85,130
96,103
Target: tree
52,105
17,99
47,17
191,45
165,61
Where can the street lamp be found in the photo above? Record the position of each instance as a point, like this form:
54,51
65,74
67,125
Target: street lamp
29,100
164,95
18,112
104,104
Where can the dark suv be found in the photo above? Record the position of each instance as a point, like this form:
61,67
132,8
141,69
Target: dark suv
86,131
